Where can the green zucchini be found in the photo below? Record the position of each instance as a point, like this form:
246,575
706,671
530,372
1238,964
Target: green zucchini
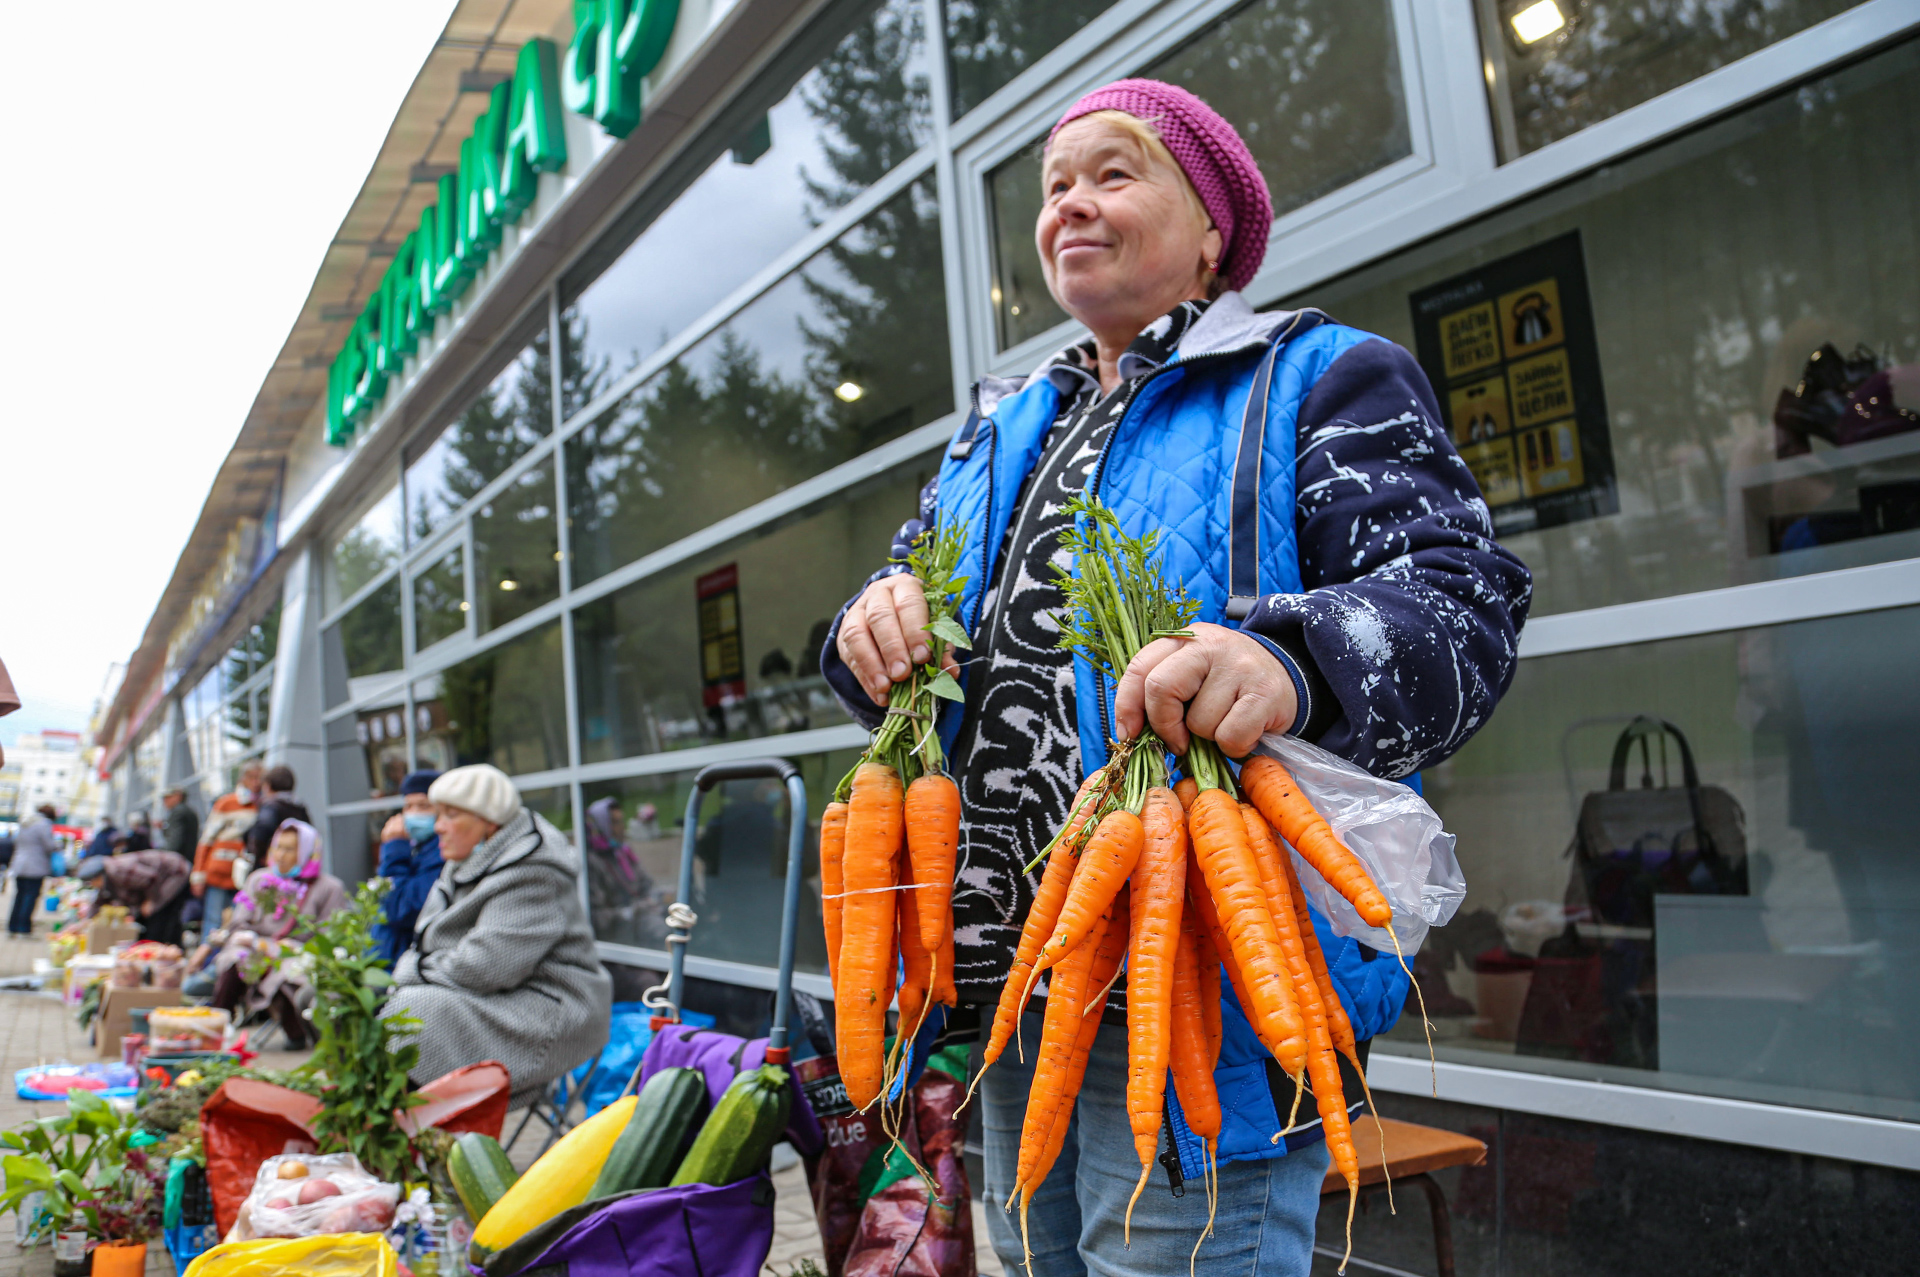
480,1172
663,1124
741,1131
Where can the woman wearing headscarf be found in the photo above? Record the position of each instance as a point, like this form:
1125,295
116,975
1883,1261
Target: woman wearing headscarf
619,889
282,901
1350,588
502,966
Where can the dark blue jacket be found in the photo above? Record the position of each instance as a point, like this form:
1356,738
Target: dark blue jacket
412,870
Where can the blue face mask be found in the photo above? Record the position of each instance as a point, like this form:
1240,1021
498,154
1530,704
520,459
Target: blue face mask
419,826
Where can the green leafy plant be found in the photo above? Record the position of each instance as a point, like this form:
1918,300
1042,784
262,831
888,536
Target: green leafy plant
359,1061
67,1158
131,1208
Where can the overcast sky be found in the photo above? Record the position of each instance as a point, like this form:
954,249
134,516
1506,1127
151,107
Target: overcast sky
176,172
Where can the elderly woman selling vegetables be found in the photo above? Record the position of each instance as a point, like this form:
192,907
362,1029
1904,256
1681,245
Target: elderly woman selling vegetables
1352,594
502,965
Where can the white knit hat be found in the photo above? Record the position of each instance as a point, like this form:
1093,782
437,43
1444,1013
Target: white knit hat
482,789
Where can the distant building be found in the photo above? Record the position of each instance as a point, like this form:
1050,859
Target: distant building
48,764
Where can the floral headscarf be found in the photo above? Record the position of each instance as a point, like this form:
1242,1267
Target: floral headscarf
268,890
601,838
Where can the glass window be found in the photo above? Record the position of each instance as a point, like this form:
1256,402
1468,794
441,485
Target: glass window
555,803
727,647
989,42
366,550
635,830
1750,936
439,600
1757,338
506,706
363,643
516,550
497,429
1556,66
1314,87
848,352
851,119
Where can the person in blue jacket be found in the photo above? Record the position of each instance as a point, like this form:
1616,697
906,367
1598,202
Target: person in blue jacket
410,860
1351,593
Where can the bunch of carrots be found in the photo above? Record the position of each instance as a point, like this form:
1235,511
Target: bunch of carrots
888,843
1178,884
1168,886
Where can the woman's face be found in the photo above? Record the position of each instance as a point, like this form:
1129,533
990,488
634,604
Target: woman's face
1121,240
284,855
460,831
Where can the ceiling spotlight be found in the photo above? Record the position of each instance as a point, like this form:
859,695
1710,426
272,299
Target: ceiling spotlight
464,605
1537,21
509,584
848,391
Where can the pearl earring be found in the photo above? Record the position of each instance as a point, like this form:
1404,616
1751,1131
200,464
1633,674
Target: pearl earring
1213,266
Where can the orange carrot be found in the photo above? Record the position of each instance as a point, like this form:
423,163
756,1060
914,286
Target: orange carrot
1339,1028
1206,919
833,845
933,842
1233,879
943,988
1159,900
916,983
1274,792
1106,964
1209,973
875,825
1186,791
1189,1055
1045,911
1104,866
1066,993
1192,1058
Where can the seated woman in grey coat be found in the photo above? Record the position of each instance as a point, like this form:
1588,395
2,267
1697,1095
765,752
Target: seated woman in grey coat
503,965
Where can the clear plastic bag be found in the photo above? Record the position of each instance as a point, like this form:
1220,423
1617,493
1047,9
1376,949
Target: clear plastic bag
1395,834
358,1203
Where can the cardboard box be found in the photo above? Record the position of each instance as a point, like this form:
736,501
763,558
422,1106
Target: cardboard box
103,934
116,1021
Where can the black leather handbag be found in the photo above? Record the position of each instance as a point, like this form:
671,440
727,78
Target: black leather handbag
1633,844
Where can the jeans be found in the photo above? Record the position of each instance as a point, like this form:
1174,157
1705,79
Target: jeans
215,901
26,894
1265,1218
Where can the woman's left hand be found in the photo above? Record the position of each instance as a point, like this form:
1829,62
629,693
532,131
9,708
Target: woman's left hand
1220,684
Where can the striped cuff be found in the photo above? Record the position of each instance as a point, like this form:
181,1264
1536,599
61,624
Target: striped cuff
1302,689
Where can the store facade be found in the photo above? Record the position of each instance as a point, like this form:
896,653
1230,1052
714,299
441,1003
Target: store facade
581,503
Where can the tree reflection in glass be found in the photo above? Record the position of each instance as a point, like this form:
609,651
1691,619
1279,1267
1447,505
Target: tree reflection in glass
845,354
500,426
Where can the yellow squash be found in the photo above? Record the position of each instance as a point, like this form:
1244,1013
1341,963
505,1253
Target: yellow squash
559,1181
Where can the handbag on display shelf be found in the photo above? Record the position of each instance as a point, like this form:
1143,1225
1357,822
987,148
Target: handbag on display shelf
1592,994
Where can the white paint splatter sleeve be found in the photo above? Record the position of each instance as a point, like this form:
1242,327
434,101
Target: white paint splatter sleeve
1407,633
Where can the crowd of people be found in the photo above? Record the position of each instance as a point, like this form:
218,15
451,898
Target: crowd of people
482,926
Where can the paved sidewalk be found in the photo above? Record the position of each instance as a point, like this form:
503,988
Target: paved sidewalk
36,1029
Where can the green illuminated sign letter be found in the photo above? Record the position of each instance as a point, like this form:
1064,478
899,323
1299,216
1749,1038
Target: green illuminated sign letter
536,137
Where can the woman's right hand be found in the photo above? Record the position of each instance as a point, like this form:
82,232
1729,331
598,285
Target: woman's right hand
884,634
396,827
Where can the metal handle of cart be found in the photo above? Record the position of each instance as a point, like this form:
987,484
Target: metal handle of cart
681,918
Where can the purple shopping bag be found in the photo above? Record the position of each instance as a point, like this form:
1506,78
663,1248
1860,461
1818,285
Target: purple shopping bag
723,1231
655,1232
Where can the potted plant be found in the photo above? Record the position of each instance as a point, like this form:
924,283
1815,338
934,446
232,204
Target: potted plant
127,1214
61,1159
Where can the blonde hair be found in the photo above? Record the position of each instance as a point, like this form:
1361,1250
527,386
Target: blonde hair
1150,141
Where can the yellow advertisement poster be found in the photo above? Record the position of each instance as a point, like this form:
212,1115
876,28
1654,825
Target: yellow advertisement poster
1509,347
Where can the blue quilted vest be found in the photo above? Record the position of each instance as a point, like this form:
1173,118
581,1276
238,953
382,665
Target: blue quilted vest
1204,454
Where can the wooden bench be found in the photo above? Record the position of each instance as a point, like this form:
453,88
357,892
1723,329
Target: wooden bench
1412,1151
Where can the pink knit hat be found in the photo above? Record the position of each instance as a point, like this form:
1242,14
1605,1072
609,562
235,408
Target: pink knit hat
1214,158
